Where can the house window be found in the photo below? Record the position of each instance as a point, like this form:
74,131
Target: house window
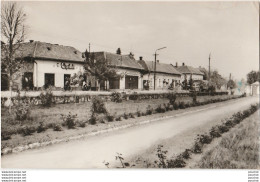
131,82
49,80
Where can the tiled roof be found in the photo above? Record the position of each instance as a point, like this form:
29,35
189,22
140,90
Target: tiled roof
189,70
123,61
44,50
160,67
202,70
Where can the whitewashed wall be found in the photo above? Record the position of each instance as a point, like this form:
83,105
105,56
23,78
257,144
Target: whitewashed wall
126,72
159,79
43,66
194,77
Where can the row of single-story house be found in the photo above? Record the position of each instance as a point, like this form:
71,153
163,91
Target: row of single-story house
48,64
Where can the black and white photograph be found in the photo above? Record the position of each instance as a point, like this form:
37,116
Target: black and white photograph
130,85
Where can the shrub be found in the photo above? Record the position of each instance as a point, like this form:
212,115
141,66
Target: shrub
175,106
134,96
197,148
116,97
254,108
93,119
149,110
126,116
22,108
223,128
176,163
164,163
110,118
214,132
41,128
81,124
204,139
5,135
187,105
143,114
170,107
139,114
172,98
119,118
46,98
50,125
22,111
194,97
161,154
246,113
57,127
160,109
181,105
166,106
131,115
229,123
69,120
186,154
98,105
27,130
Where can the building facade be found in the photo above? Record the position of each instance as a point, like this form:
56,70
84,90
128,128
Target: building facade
166,77
46,65
129,71
188,72
254,89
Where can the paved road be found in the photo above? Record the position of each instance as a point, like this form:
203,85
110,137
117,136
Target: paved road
91,152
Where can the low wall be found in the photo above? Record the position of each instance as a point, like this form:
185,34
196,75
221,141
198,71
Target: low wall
63,97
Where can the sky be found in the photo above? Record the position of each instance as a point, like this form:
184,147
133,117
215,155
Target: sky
189,30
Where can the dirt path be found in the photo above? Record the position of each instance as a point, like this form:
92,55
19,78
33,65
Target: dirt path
91,152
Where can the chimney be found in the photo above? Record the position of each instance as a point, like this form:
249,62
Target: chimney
83,55
176,65
183,64
140,58
31,41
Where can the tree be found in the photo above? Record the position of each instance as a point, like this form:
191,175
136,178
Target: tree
13,34
253,76
191,83
231,84
185,83
118,51
216,78
100,68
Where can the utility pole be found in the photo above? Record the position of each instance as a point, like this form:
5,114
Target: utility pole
155,61
154,77
209,66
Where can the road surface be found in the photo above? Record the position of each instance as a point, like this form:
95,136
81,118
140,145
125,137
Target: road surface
91,152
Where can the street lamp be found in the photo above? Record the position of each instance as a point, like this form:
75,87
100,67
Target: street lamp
154,77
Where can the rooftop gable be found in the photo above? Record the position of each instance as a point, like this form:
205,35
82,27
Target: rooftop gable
160,67
189,70
43,50
123,61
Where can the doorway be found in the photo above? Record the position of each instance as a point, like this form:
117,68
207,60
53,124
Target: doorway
66,81
49,80
27,82
131,82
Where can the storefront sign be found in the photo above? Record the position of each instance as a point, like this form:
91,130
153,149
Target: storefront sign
67,66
